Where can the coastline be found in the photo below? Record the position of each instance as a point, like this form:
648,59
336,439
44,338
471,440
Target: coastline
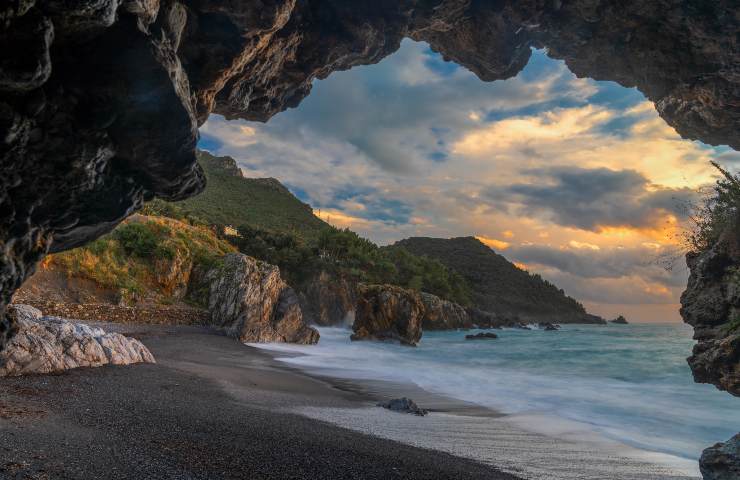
535,446
211,402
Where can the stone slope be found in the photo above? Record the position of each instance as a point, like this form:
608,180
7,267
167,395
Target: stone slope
100,100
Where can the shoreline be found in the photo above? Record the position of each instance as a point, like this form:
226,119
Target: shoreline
200,375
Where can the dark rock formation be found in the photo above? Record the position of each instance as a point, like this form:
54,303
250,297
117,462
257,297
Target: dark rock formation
329,300
548,327
620,320
388,313
711,304
722,461
100,100
443,315
249,301
482,336
403,405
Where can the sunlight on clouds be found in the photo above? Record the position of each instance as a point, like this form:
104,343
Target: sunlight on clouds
494,243
583,245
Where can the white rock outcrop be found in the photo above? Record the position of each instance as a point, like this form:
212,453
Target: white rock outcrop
52,344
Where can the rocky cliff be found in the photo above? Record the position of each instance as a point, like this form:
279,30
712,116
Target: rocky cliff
100,100
249,301
329,299
388,313
441,314
711,304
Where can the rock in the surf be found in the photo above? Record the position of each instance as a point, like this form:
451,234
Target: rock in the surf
482,336
388,313
403,405
722,461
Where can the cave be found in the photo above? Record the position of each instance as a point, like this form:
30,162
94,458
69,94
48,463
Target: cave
101,100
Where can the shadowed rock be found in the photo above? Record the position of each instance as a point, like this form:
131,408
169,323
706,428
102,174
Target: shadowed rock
442,314
403,405
722,461
388,313
482,336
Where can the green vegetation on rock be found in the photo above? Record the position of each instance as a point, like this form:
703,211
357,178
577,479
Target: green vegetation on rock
144,259
231,199
718,214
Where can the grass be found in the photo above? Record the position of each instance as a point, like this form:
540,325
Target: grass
262,203
144,257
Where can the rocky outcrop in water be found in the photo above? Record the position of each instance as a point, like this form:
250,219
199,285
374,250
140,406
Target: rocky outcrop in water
722,461
711,304
388,313
53,344
620,320
441,314
100,100
249,301
482,336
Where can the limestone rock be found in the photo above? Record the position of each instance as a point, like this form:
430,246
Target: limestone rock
249,301
443,315
388,313
722,461
52,344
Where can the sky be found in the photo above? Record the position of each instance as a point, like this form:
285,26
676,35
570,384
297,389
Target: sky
577,180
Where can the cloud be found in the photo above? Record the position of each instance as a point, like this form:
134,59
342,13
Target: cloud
571,177
591,199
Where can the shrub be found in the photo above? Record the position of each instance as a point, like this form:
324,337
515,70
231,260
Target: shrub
718,213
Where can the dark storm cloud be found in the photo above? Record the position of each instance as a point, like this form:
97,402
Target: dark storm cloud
592,199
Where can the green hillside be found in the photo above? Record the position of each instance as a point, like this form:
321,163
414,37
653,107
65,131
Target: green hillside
231,199
498,285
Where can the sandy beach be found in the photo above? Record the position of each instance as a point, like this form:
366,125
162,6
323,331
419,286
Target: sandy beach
212,408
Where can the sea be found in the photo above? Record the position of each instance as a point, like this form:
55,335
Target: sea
626,383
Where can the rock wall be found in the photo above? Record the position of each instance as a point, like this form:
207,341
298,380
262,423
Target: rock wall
100,100
388,313
328,300
249,301
443,315
711,304
52,344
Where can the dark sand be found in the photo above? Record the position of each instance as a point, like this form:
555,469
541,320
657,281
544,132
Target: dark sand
210,409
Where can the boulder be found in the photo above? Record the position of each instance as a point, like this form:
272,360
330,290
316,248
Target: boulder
388,313
482,336
441,314
548,327
722,461
403,405
52,344
248,300
620,320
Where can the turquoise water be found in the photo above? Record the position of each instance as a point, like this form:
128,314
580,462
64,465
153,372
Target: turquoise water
629,383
